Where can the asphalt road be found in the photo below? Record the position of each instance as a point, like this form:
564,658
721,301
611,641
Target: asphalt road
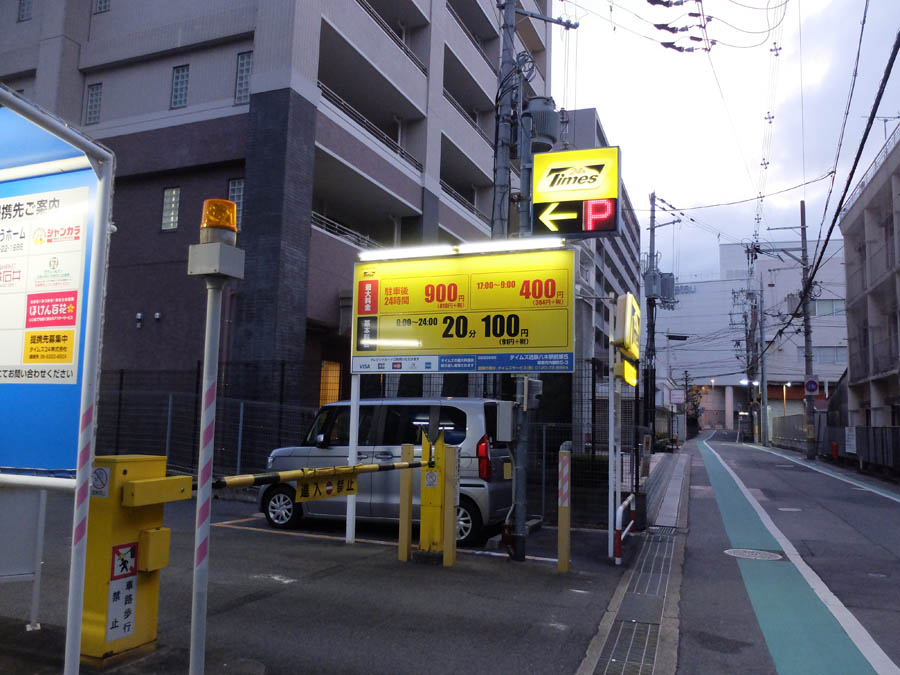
757,616
288,602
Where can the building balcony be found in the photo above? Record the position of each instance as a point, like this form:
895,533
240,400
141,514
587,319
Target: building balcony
856,283
884,356
465,203
882,260
368,126
859,366
386,28
477,44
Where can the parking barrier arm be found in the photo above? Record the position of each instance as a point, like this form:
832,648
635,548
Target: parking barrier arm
247,480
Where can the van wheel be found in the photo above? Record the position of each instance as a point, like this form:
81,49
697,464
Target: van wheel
468,523
282,512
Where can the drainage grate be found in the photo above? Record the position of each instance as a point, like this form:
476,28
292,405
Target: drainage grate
653,565
630,649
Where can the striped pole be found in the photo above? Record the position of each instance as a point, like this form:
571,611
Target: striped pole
564,513
204,479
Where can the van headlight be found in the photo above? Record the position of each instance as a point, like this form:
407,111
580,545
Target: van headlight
269,462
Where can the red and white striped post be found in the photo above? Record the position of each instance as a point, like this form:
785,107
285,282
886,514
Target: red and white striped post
564,514
217,260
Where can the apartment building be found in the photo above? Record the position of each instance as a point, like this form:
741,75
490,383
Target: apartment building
335,125
712,320
870,224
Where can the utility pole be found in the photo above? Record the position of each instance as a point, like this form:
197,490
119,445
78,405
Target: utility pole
650,356
685,405
511,79
502,187
807,336
763,385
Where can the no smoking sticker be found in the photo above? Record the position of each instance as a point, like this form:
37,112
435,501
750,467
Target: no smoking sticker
100,482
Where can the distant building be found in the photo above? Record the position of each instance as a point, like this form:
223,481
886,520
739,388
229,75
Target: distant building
715,316
870,224
335,125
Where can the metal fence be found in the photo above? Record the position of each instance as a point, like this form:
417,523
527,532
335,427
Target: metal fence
158,413
789,431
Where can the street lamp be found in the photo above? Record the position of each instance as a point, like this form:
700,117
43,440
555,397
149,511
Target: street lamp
784,389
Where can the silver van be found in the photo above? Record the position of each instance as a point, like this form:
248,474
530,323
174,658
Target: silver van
485,496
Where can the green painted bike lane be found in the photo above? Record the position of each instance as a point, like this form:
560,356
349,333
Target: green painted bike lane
802,635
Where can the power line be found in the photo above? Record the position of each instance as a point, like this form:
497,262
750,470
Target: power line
840,143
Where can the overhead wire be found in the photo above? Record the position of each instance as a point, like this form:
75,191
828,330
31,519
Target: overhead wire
840,142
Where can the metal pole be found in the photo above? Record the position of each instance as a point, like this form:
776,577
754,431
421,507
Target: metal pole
169,427
807,336
500,208
92,333
353,458
650,369
611,439
521,527
763,384
543,469
214,287
240,439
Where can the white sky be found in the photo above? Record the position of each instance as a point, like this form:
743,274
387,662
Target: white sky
694,146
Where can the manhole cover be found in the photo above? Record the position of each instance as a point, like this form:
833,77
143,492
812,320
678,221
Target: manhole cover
752,554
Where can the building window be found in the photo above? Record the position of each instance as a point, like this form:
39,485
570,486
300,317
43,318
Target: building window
826,308
242,77
179,86
236,194
825,355
24,10
330,383
92,107
171,199
101,6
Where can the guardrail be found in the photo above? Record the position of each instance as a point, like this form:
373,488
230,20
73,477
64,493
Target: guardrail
620,533
391,34
472,39
873,168
464,202
462,111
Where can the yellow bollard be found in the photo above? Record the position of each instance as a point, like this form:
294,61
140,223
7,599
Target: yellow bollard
451,501
564,512
431,535
127,546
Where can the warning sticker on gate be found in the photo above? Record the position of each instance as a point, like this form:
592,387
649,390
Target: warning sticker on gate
323,488
121,612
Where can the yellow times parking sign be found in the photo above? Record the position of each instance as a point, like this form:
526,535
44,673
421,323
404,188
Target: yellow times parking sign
485,313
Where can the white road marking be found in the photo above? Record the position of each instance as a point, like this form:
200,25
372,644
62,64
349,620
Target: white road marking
866,644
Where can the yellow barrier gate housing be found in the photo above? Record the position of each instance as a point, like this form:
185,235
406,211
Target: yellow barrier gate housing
127,546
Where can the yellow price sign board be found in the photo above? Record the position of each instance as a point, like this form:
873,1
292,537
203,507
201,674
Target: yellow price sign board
487,313
627,334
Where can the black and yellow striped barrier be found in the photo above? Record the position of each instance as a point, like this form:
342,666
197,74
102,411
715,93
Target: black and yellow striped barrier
251,479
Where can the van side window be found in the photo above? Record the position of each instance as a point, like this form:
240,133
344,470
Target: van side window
318,426
339,431
453,424
405,423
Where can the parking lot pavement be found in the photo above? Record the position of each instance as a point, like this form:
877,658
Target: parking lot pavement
287,602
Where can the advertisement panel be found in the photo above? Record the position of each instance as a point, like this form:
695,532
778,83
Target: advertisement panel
576,192
465,314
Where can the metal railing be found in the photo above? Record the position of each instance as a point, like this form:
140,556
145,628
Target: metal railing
391,34
364,122
462,111
884,355
873,168
474,40
338,230
859,365
856,283
464,202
